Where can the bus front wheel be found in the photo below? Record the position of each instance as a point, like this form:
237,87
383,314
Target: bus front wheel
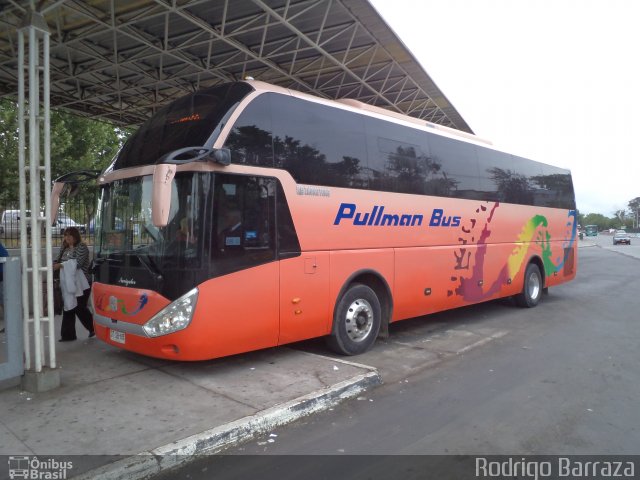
532,289
356,321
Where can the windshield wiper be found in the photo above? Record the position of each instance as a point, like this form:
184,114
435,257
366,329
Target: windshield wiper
147,261
197,154
109,258
187,154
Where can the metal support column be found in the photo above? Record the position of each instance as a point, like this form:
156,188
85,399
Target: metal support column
34,161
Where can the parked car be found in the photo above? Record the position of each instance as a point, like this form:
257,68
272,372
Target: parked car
10,223
118,225
621,236
64,221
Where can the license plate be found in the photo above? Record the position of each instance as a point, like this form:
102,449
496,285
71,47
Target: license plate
116,336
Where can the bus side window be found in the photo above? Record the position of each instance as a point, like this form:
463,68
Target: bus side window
250,140
244,221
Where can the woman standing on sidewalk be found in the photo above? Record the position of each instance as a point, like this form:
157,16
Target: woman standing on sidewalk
74,248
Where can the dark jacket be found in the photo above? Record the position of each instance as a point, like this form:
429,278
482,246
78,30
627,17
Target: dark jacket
3,253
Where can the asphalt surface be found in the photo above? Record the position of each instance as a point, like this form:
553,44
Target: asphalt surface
474,379
561,378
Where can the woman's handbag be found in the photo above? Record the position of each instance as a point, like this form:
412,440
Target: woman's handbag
57,297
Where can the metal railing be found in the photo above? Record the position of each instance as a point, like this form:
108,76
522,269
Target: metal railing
72,214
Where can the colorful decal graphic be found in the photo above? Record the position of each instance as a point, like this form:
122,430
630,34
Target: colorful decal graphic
113,302
471,286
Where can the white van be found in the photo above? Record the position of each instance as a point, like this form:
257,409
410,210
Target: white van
10,223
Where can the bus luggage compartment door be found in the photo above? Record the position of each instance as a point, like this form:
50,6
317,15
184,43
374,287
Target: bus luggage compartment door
304,297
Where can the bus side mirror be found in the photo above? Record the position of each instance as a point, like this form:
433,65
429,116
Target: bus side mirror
163,174
222,156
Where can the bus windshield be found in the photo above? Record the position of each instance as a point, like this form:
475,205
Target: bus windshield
125,219
141,253
218,223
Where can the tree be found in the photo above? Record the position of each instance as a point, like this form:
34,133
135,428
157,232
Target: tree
634,207
8,152
598,219
621,215
77,143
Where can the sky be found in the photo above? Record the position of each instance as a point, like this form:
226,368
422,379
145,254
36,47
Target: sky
556,81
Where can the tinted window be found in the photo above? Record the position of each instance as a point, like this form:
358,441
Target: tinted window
398,157
495,170
322,145
187,122
507,178
458,175
556,187
319,144
244,223
288,245
250,140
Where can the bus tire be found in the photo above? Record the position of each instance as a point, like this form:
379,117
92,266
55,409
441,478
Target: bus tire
356,321
532,288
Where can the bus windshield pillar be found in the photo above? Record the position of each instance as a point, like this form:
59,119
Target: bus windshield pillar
161,197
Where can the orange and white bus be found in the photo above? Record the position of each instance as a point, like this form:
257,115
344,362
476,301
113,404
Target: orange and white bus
246,216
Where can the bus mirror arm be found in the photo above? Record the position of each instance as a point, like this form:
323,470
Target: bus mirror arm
163,174
197,154
185,155
68,185
56,192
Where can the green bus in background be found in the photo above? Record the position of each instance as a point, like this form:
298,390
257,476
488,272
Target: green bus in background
591,230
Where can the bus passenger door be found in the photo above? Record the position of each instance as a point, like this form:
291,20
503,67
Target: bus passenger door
305,310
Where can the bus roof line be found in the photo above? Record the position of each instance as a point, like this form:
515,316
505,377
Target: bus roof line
260,86
383,111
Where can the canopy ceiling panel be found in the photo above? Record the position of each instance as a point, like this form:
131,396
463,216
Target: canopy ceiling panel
120,60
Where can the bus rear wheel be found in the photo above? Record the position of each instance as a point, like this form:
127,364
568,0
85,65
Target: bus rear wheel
532,288
356,321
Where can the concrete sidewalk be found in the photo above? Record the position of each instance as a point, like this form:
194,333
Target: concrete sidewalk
116,403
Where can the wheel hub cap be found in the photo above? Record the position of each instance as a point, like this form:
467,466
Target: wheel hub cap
359,320
534,286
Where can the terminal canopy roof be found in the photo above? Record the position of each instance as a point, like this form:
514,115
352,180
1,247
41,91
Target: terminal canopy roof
120,60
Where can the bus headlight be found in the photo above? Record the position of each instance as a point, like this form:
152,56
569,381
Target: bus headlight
175,316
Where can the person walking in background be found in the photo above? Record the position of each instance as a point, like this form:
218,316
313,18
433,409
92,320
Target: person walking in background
73,248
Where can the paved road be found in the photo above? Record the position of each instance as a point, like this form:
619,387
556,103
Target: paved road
606,241
562,378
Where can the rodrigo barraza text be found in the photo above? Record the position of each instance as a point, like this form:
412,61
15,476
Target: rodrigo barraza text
524,468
